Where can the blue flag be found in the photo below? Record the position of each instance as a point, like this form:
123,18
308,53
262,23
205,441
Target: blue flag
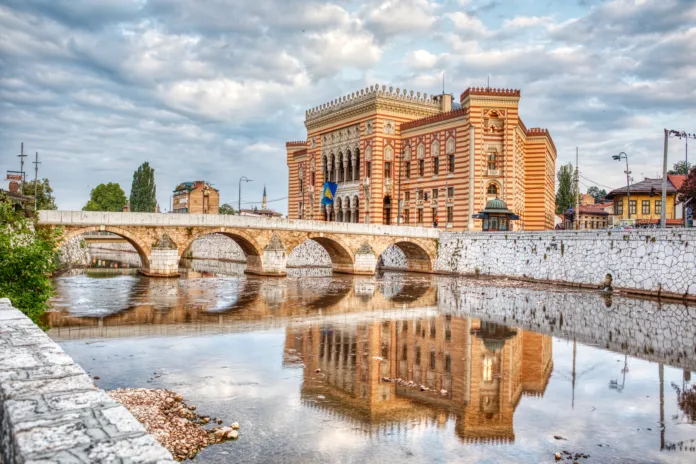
329,190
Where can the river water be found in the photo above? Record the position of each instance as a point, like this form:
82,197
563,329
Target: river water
393,368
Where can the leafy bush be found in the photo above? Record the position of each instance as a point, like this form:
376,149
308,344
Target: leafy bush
27,260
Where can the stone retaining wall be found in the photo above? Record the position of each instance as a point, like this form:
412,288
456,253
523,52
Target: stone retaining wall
643,261
75,253
646,329
51,411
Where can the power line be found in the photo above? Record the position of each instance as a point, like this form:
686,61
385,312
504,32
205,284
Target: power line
596,183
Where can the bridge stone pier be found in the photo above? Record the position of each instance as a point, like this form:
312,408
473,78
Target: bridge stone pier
162,239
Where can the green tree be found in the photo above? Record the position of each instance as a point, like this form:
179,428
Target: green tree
597,193
143,195
680,167
43,192
687,192
27,260
106,197
564,196
225,208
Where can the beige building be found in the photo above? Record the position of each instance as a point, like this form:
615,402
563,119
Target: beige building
197,197
465,369
443,159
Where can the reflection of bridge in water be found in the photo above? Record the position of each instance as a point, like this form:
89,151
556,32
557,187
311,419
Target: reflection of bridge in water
449,368
172,307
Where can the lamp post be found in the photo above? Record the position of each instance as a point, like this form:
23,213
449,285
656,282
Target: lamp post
686,137
239,206
628,184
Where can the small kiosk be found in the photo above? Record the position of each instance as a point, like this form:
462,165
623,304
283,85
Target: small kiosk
496,216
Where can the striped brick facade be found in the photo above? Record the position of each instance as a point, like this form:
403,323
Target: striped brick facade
470,154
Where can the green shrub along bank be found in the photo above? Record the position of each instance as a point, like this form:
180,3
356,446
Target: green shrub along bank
27,260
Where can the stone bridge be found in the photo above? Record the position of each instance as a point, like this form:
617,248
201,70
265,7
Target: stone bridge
162,239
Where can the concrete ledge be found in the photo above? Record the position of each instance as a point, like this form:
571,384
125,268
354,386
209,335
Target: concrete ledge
51,411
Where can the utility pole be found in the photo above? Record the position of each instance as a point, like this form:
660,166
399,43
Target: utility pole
36,180
663,208
577,191
21,165
239,201
686,137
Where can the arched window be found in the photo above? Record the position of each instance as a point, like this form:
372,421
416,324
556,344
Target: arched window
450,145
492,160
421,151
492,190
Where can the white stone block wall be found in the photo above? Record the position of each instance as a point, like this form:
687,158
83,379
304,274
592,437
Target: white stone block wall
75,252
647,260
216,246
51,411
645,328
309,253
393,257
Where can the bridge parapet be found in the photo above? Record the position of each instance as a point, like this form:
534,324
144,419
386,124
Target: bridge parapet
92,218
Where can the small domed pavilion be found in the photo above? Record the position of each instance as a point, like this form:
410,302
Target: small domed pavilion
496,216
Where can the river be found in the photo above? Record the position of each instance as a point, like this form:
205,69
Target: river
393,368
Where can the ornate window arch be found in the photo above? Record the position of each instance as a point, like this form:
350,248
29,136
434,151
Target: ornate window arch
368,153
494,190
450,145
421,151
407,153
388,153
435,148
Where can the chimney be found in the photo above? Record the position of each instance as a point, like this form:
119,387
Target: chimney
14,187
445,102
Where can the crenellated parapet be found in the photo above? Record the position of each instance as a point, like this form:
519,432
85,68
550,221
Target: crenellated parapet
296,143
371,94
539,132
486,91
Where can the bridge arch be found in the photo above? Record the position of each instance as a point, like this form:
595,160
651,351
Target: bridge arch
339,251
252,250
140,246
418,257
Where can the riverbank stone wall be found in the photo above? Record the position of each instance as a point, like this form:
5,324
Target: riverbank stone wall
51,411
649,261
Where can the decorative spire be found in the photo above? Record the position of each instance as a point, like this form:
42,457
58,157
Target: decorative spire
263,204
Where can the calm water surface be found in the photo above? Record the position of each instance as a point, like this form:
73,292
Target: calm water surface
308,365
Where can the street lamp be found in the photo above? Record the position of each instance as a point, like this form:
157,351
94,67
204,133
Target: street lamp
628,184
239,208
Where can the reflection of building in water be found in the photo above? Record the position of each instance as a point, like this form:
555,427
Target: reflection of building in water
450,367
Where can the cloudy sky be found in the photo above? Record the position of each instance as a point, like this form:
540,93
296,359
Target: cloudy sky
212,89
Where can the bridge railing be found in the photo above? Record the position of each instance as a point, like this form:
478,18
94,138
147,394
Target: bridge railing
98,218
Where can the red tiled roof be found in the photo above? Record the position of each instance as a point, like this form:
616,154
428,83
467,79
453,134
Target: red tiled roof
677,180
432,119
645,187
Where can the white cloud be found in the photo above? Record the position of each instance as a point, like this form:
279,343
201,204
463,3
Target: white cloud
528,21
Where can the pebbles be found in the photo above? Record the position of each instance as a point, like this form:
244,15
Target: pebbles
172,422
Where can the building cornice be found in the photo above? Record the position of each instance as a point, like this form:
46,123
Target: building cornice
371,100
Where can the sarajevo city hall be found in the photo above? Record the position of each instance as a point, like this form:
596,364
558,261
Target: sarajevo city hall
441,158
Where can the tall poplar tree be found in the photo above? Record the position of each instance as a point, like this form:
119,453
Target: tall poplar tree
143,194
564,196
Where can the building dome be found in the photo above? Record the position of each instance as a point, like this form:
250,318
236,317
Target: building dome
496,205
